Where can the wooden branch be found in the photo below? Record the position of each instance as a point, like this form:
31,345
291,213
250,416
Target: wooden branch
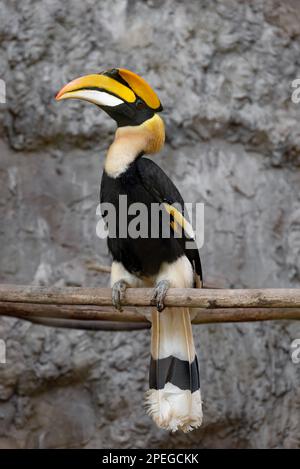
133,320
189,297
87,325
85,306
78,312
98,267
211,316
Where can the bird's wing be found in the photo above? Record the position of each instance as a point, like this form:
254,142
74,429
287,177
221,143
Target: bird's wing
163,190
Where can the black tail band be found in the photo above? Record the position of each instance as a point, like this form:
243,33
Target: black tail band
180,373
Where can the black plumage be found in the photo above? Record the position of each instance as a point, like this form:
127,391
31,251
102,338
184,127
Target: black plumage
145,182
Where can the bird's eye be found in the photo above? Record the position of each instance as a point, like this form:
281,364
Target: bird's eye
140,104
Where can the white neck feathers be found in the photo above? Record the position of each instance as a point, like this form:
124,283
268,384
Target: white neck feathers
131,141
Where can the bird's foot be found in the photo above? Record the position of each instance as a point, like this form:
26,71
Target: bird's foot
160,293
118,290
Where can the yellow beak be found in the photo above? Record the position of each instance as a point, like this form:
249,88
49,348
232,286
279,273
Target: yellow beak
109,89
98,89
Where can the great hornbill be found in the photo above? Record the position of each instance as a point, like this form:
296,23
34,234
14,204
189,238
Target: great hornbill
174,399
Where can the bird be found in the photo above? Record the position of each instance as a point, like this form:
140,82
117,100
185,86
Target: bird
160,262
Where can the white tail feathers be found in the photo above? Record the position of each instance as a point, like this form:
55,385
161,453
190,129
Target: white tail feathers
174,398
173,409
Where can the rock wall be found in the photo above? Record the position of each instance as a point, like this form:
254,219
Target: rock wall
223,71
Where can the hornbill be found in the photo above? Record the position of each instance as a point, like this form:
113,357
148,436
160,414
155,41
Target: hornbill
174,399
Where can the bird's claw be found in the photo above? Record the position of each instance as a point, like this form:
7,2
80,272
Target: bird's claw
118,290
160,293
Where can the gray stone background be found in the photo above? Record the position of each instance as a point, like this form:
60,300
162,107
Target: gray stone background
223,70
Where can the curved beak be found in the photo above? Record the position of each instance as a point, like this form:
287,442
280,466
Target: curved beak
98,89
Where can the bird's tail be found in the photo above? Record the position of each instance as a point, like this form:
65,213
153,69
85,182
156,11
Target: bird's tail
174,399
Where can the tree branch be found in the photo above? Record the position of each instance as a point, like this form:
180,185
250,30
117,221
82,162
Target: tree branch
86,306
189,297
